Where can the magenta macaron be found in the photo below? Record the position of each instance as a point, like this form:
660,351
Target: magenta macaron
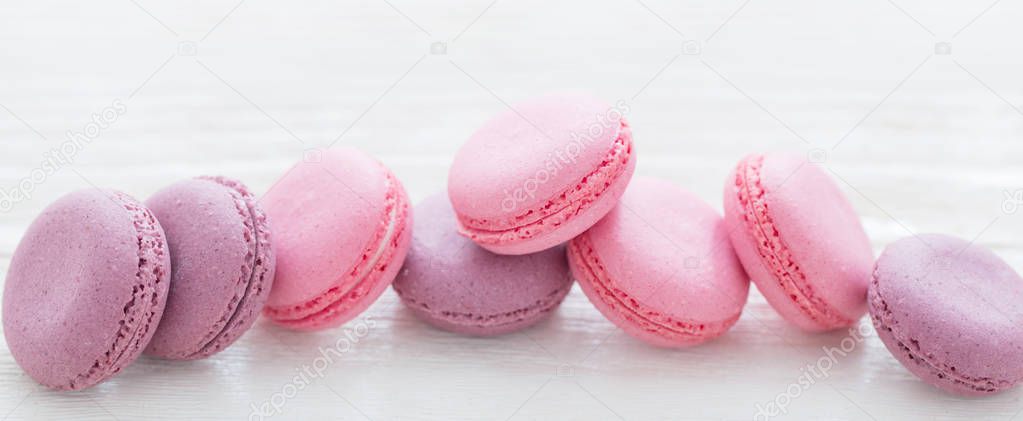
86,289
950,312
223,261
661,268
800,240
453,284
342,228
541,173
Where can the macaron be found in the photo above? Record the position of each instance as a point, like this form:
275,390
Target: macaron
661,268
800,240
453,284
342,228
223,261
950,312
541,173
86,288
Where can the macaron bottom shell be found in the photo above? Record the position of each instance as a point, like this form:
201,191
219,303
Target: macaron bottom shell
484,325
630,314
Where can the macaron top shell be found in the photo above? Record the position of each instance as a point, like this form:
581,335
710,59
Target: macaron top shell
516,147
660,266
540,174
451,282
950,311
223,265
799,236
86,288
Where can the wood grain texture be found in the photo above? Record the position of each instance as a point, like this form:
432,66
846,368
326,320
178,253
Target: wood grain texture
926,143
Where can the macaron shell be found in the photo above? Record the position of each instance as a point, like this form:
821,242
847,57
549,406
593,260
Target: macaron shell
86,289
451,283
223,266
264,266
576,224
821,234
513,147
950,312
345,307
326,213
667,256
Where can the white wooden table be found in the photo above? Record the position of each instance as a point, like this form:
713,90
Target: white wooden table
923,100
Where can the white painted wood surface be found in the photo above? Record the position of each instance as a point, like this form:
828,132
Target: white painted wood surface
929,143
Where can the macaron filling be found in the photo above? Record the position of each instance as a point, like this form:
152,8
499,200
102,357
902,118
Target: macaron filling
254,273
362,279
886,324
573,201
584,257
140,314
774,254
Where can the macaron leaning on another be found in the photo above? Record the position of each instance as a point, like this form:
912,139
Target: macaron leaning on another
86,289
661,268
453,284
342,228
542,173
223,262
800,240
950,311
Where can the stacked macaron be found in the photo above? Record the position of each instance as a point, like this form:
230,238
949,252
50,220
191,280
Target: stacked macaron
524,184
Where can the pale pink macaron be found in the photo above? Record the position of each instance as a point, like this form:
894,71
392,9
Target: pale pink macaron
343,228
660,267
800,240
541,173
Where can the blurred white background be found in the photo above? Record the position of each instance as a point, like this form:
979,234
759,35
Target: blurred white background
915,105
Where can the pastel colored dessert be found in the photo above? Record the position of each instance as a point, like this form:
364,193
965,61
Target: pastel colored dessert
950,312
800,240
453,284
342,229
660,267
536,176
86,289
223,261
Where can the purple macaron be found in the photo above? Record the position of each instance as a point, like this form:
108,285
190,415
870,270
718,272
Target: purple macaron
951,312
223,263
451,283
86,289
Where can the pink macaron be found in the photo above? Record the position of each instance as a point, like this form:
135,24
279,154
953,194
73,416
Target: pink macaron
950,312
342,228
800,240
453,284
661,268
223,261
541,173
86,289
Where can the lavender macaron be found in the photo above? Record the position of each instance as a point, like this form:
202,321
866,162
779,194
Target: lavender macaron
453,284
951,312
86,289
223,263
